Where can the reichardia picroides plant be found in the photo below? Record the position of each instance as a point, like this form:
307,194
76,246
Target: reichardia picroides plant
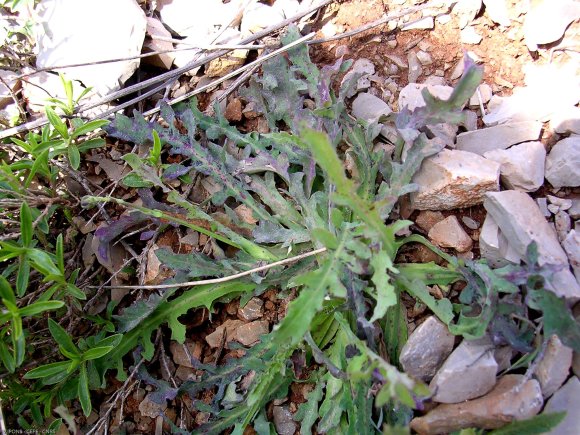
346,322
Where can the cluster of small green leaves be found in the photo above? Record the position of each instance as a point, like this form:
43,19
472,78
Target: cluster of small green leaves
35,281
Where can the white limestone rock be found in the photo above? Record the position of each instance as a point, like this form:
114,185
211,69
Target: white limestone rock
571,245
454,179
362,68
563,162
368,107
411,97
566,121
498,137
426,349
179,16
547,20
553,368
566,399
494,246
522,166
110,29
258,16
485,93
522,222
450,234
469,372
497,11
548,89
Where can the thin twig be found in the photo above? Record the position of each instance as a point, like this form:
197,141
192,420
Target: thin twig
219,280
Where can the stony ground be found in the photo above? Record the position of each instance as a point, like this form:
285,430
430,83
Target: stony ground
507,177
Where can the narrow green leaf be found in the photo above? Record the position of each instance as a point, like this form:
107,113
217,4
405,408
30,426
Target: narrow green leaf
60,253
23,275
84,395
62,338
6,291
89,127
6,358
42,262
48,370
96,352
155,153
74,156
26,229
40,165
56,122
40,307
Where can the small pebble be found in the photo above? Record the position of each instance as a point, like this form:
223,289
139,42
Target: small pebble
470,223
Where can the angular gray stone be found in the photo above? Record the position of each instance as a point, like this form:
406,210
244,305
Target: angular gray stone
470,223
425,23
522,166
470,36
562,203
180,354
149,408
554,367
566,399
571,245
563,225
522,222
498,137
493,245
424,57
450,234
426,349
546,21
253,310
368,107
513,398
469,372
497,11
411,97
566,121
485,92
454,179
283,420
563,162
415,69
574,210
64,41
250,333
361,66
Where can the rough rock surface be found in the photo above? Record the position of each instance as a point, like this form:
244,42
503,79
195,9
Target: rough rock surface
563,162
226,332
554,366
411,97
454,179
427,218
283,420
522,222
566,399
180,355
508,401
369,107
450,234
566,121
546,21
467,373
493,245
571,245
252,310
426,349
250,333
62,40
522,166
498,137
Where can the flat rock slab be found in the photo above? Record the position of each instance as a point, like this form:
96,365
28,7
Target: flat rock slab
563,163
469,372
494,246
522,166
498,137
368,107
547,20
102,30
521,221
411,95
454,179
566,399
554,367
566,121
450,234
511,399
426,349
